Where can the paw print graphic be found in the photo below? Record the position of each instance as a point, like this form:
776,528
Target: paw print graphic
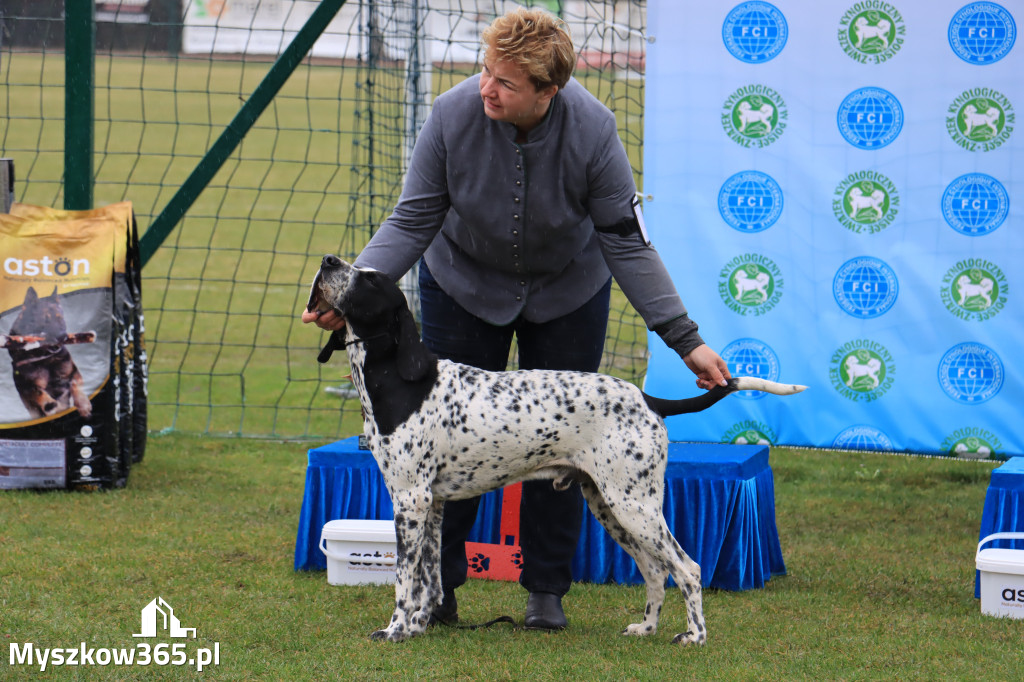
478,563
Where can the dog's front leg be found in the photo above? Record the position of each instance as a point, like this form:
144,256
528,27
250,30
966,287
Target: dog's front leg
408,618
430,562
32,386
78,395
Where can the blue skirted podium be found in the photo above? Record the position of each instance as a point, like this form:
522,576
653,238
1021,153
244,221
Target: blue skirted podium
719,503
1004,508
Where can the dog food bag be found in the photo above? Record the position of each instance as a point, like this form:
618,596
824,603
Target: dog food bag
73,365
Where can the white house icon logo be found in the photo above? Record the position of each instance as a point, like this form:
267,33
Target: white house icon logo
158,614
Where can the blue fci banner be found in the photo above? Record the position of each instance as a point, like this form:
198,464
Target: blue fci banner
835,189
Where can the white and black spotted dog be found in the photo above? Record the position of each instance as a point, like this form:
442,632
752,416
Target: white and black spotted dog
445,431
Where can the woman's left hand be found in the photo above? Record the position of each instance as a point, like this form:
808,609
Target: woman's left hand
709,367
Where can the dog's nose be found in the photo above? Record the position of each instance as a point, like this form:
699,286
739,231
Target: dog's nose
331,261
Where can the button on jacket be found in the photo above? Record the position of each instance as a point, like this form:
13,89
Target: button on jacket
513,229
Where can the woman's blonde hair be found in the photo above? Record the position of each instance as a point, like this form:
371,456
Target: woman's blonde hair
535,40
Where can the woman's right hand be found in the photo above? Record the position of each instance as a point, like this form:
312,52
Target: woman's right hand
328,320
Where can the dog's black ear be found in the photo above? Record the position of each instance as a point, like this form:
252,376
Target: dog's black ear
334,342
31,296
415,361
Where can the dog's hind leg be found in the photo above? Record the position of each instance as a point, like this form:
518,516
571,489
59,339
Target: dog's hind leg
665,551
639,515
654,573
686,573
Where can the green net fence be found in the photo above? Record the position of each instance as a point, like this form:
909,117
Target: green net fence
318,172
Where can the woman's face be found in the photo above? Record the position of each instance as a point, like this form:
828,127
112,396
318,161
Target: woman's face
509,95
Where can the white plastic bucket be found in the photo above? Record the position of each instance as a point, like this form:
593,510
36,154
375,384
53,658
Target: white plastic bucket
359,551
1002,577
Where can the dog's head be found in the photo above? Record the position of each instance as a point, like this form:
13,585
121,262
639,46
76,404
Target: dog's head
41,317
363,297
375,312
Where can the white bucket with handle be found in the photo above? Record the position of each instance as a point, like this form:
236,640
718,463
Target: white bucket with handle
359,551
1002,577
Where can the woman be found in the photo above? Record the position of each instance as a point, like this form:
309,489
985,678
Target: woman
520,200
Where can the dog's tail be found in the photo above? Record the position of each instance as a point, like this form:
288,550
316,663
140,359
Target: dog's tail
668,408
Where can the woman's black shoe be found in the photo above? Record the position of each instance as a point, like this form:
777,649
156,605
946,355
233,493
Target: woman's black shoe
544,612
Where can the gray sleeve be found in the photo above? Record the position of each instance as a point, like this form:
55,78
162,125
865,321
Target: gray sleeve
680,335
407,232
635,264
645,281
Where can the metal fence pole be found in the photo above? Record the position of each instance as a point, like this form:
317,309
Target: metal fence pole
6,185
79,102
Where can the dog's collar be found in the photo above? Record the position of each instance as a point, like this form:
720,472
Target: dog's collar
365,339
334,344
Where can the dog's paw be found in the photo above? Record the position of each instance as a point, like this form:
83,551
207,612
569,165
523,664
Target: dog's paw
390,635
640,629
419,622
687,638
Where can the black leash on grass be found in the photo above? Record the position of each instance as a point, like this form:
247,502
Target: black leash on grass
478,626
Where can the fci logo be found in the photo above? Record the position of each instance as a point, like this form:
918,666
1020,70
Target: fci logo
755,32
982,33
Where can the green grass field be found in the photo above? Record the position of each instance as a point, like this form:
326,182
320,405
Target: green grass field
879,551
222,295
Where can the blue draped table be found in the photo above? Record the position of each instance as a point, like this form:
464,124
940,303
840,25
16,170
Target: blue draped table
719,503
1004,508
